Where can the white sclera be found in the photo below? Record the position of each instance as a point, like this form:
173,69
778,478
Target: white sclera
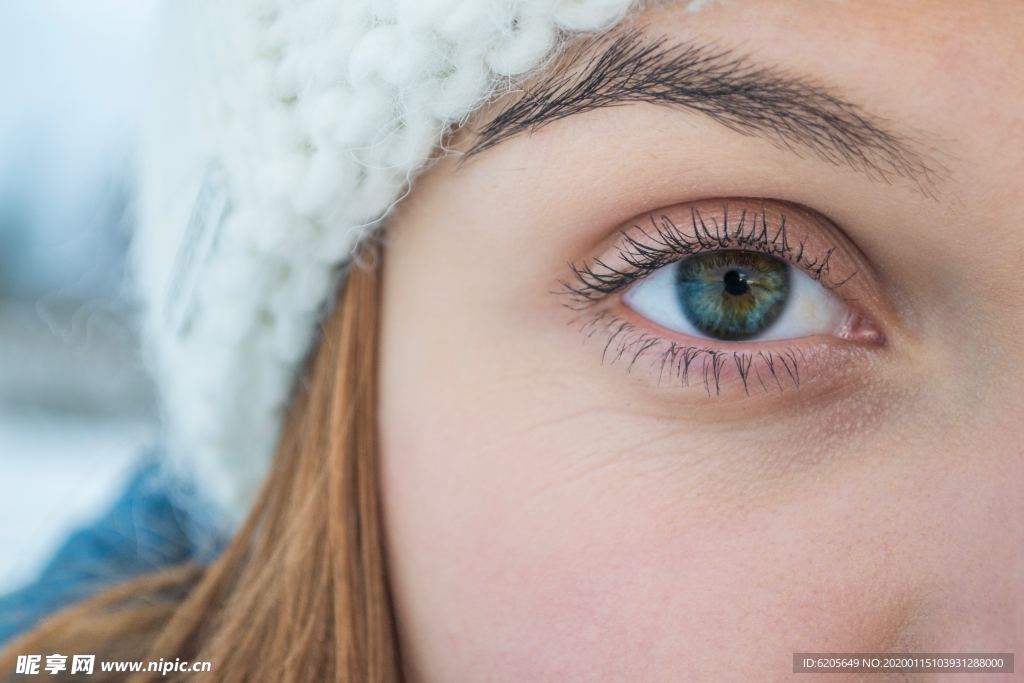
810,310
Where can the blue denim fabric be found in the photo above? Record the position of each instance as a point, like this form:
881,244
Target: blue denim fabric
146,529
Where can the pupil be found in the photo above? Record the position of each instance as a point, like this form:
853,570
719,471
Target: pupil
736,283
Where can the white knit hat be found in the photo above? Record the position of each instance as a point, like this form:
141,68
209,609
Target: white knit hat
281,131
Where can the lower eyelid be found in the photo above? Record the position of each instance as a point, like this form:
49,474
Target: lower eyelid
724,370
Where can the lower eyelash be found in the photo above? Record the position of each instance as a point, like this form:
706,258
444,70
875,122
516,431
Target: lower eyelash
767,370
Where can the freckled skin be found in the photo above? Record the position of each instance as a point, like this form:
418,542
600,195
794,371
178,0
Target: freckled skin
550,518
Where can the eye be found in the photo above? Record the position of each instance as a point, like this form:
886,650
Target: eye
737,295
732,293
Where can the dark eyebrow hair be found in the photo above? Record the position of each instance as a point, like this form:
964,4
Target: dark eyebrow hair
732,89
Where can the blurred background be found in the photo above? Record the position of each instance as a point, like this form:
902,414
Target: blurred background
75,406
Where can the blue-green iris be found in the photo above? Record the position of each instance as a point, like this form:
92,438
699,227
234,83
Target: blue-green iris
732,294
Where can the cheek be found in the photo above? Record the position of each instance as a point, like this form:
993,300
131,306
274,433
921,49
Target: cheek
508,560
537,529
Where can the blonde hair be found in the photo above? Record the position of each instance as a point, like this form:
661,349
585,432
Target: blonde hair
301,592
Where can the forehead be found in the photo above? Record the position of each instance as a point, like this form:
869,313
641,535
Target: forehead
939,30
954,71
930,65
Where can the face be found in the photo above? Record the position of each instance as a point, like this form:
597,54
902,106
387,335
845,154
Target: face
676,388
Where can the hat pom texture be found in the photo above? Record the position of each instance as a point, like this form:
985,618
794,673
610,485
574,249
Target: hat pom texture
281,131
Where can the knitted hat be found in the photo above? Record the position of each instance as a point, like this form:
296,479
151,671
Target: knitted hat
281,132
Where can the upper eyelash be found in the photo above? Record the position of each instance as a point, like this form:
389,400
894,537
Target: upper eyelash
594,281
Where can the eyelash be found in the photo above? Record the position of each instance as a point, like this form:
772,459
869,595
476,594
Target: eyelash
665,242
595,281
626,340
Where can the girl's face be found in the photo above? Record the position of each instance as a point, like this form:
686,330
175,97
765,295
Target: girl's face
635,428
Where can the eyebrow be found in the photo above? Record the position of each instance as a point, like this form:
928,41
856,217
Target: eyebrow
730,88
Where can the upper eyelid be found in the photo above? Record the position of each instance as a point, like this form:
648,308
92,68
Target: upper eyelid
596,279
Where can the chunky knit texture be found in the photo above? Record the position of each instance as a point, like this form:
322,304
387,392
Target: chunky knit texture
282,131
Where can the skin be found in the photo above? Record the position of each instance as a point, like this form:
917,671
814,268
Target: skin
553,518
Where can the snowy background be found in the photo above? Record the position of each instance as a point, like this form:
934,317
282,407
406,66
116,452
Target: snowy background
75,406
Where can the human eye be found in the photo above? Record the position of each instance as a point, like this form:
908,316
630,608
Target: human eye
737,295
746,290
